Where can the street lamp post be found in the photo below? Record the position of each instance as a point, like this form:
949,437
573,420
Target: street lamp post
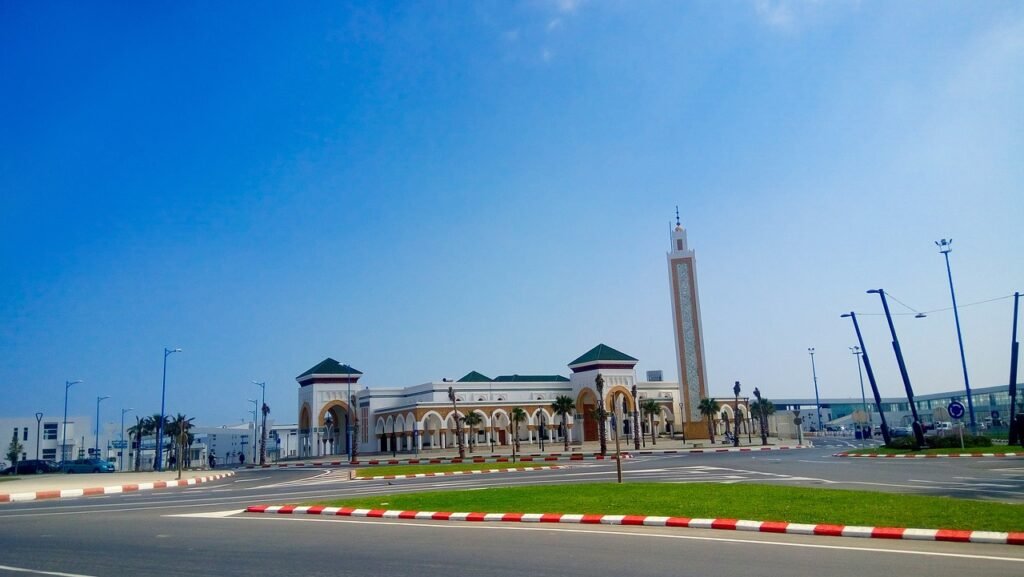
637,433
1015,432
736,415
540,429
348,418
263,441
355,430
458,423
39,419
159,463
120,458
96,447
64,426
945,247
817,399
918,431
254,410
871,376
860,375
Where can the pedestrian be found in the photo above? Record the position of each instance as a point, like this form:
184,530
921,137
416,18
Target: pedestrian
213,460
241,459
172,461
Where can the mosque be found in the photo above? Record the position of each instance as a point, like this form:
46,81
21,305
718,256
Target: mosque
426,416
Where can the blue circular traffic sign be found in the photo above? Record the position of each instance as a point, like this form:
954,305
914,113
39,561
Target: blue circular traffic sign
956,409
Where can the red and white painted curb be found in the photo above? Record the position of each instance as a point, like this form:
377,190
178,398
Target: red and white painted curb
66,493
955,535
929,456
453,473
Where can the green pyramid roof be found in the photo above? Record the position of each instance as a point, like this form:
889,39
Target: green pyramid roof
602,352
474,377
531,379
330,366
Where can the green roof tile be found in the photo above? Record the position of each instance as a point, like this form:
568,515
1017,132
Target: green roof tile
474,377
330,366
531,379
602,352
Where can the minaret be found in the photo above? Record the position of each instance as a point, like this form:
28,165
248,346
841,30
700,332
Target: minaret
682,270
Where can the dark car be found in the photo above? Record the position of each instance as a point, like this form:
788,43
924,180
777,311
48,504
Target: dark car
90,465
31,467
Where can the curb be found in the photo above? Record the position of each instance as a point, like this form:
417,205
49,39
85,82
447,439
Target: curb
952,535
930,456
453,473
88,492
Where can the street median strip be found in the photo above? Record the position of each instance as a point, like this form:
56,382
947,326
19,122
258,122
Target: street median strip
91,491
925,456
453,473
952,535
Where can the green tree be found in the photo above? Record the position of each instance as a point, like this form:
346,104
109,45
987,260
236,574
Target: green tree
152,426
136,432
650,407
709,408
762,408
471,420
14,450
564,406
263,434
518,416
600,414
178,429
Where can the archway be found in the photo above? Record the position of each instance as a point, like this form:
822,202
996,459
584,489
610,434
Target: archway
586,406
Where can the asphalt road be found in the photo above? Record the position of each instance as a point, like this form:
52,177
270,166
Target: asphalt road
200,530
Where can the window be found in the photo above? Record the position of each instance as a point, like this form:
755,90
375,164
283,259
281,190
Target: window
24,434
50,431
50,454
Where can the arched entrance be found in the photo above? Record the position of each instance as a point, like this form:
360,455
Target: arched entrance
337,433
586,405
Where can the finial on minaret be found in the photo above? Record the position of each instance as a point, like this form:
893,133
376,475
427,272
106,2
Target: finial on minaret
677,216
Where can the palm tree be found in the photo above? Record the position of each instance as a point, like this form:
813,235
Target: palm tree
471,420
709,408
650,407
263,434
518,416
179,426
762,408
151,424
600,413
564,406
136,432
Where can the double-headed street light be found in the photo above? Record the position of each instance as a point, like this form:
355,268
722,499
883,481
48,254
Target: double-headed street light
945,247
96,447
817,399
64,426
458,422
871,376
158,463
855,350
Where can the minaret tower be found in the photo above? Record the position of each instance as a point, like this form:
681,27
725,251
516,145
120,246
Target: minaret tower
682,271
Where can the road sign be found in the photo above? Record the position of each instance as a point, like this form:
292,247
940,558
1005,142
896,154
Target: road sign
956,410
119,444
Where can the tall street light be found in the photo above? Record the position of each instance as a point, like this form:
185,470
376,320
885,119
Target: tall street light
918,431
39,419
263,433
255,409
945,247
817,399
871,376
158,463
120,459
855,350
1015,432
348,418
64,426
458,422
736,416
96,447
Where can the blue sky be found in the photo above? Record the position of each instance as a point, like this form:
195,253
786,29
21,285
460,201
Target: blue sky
425,189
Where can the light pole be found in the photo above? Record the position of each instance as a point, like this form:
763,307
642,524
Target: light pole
263,432
855,350
636,420
1015,432
158,464
871,376
96,447
254,411
39,419
817,399
64,426
736,416
120,459
355,431
945,247
348,418
918,431
458,423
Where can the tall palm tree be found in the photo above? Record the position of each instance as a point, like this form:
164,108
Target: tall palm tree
471,420
152,423
762,408
600,413
136,432
180,426
709,408
564,406
263,434
518,416
650,407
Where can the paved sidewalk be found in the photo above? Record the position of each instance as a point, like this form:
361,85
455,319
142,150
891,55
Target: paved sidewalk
60,486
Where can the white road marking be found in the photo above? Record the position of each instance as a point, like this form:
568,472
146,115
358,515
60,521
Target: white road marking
479,526
38,572
210,514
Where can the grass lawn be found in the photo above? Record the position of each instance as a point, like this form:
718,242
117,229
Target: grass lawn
715,500
943,451
5,478
379,470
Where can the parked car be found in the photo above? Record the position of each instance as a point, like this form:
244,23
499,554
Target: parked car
89,465
901,432
31,467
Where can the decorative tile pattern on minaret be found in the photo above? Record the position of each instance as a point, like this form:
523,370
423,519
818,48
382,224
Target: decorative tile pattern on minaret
687,329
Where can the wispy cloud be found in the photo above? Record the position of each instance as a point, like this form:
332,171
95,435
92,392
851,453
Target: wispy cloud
792,15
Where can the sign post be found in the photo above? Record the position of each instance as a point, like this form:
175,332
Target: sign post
956,411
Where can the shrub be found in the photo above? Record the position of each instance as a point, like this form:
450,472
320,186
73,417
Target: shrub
901,443
953,441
